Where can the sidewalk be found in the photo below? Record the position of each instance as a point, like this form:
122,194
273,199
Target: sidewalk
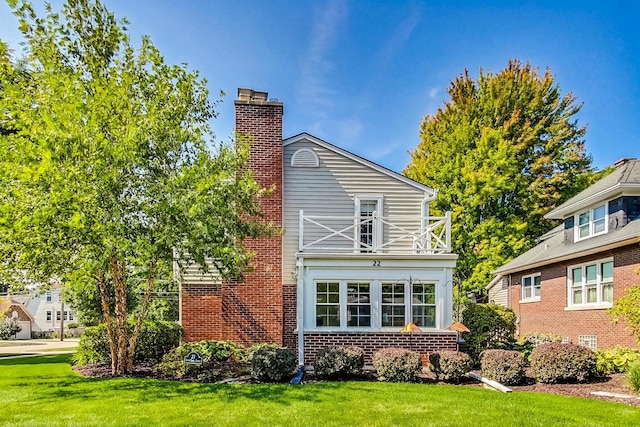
43,346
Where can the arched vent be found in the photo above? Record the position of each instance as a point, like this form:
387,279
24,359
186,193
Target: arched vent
304,158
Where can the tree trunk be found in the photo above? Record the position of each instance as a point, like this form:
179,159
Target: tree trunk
144,305
120,293
104,299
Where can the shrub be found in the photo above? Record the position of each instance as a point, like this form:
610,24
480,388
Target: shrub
558,362
336,361
271,364
155,340
529,341
616,360
8,328
490,325
633,376
449,365
220,359
505,366
397,364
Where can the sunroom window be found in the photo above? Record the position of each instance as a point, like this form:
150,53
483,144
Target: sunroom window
328,304
592,222
591,283
424,304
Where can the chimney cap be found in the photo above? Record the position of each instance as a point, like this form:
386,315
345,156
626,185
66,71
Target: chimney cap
623,161
245,94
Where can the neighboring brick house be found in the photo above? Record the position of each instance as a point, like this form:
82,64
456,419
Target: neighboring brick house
567,282
359,257
18,313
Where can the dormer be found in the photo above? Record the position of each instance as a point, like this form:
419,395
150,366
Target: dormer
606,206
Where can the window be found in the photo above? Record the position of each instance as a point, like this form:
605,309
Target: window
393,305
49,296
592,222
589,341
424,304
369,230
48,315
358,304
531,287
591,283
328,304
58,314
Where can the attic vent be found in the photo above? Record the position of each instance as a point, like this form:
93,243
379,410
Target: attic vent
304,158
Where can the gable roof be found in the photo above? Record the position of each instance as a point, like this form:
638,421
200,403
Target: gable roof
624,177
432,192
12,305
553,249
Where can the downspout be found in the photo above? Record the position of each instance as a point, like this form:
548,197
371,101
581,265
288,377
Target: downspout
299,308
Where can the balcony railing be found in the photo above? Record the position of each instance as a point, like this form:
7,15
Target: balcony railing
374,234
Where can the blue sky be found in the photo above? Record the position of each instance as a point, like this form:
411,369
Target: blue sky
362,74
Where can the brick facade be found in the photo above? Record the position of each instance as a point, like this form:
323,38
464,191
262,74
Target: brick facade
549,315
251,311
422,342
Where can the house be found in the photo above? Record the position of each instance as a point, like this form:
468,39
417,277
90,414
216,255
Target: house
12,309
47,309
359,257
566,283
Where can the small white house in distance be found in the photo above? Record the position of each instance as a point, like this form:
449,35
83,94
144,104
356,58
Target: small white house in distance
47,310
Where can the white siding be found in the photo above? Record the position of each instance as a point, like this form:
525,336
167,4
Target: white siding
331,188
499,293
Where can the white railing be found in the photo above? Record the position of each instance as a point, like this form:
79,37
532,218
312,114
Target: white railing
342,234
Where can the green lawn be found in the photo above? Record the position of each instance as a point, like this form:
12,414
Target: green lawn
44,391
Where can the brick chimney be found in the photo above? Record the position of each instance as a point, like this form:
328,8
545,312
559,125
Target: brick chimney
253,309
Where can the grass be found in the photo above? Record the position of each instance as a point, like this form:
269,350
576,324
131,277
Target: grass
43,390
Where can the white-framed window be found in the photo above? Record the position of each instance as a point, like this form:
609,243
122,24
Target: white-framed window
369,230
49,296
531,287
357,304
393,305
424,304
589,341
591,283
328,304
591,222
48,315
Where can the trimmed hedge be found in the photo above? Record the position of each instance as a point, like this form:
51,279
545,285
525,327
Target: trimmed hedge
273,364
529,341
155,340
338,361
397,364
449,365
558,362
505,366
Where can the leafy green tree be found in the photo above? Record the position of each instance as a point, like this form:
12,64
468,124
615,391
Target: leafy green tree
627,308
109,174
503,151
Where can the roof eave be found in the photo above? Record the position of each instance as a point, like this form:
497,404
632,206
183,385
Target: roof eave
564,210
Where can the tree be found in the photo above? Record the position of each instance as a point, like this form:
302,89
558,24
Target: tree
109,175
503,151
627,308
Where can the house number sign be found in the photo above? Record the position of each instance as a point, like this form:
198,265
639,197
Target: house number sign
376,263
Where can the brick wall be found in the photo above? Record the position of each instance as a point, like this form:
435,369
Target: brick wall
422,342
549,314
251,311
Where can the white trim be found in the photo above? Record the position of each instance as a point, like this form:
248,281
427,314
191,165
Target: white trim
377,226
430,192
533,297
608,193
314,157
576,221
586,305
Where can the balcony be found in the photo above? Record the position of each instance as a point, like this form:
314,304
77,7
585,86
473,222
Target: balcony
374,234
